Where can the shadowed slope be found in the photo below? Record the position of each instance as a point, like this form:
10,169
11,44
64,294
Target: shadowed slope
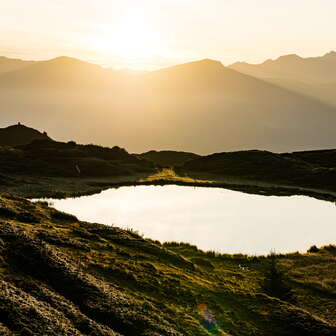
20,135
168,158
59,159
307,169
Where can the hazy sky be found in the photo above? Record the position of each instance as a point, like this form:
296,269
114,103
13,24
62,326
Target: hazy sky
155,33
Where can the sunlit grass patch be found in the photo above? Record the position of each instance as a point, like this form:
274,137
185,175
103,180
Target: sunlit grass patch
169,174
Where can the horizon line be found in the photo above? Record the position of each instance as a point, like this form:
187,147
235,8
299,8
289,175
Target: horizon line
135,69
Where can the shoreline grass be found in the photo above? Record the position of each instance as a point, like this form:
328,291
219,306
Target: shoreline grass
53,187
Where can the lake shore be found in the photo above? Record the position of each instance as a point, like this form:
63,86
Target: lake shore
50,260
53,187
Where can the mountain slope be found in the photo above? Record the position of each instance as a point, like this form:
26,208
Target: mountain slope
58,159
60,72
313,70
324,92
200,107
12,64
221,108
20,135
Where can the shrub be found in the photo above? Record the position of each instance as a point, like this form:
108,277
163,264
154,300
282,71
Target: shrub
274,282
313,249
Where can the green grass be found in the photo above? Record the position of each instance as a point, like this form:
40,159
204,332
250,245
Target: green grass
60,276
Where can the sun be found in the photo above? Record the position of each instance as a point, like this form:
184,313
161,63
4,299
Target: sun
131,38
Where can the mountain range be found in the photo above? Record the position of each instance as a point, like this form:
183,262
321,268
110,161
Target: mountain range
312,76
316,70
201,106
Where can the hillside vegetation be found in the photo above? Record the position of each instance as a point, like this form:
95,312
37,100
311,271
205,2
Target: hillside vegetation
168,158
316,169
59,159
59,169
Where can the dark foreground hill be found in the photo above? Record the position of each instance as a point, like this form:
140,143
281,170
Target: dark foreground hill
60,159
168,158
58,169
20,135
60,276
316,169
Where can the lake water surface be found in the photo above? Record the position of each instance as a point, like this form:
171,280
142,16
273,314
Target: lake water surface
212,218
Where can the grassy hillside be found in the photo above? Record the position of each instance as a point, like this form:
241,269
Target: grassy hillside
57,169
60,159
60,276
306,169
168,158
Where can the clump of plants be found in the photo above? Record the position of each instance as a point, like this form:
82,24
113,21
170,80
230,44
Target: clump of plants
275,283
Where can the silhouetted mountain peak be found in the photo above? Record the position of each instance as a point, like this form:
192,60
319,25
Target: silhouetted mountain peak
16,127
20,135
19,127
192,69
290,57
211,62
206,64
63,60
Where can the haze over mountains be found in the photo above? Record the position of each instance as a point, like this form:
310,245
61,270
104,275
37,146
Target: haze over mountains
316,70
313,76
201,107
12,64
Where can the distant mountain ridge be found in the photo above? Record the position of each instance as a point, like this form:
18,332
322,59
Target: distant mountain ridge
59,72
12,64
314,70
313,76
200,107
20,135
